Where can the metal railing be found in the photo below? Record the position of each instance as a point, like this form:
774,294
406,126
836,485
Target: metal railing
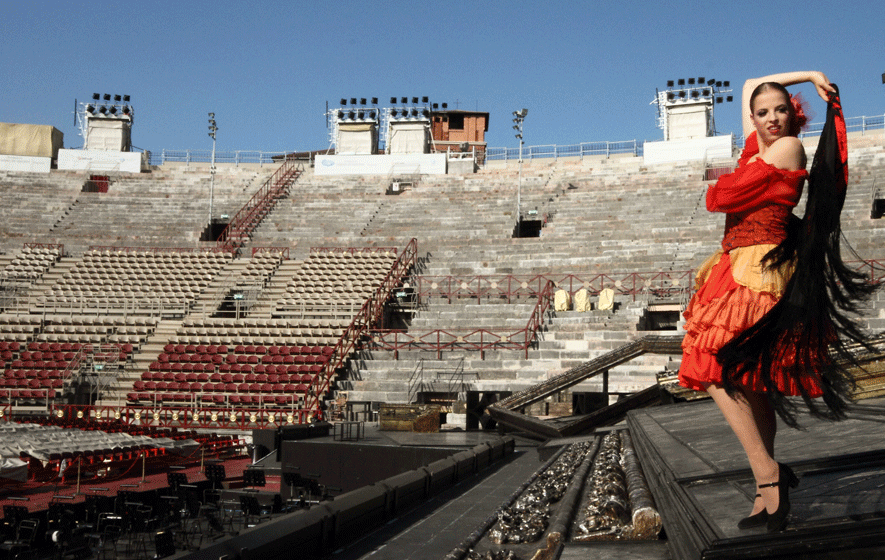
584,149
862,124
510,286
369,314
205,156
262,202
174,415
479,340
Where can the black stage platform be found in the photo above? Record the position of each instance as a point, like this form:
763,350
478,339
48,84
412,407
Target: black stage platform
702,483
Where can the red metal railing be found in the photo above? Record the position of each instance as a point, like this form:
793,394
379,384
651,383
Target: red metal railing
509,287
355,250
247,218
368,315
875,268
441,340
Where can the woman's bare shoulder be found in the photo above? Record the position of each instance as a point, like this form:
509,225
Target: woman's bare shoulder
786,153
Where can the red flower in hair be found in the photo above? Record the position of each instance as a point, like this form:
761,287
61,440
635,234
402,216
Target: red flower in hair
801,110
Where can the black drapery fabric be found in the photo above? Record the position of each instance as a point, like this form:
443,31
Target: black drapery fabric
808,331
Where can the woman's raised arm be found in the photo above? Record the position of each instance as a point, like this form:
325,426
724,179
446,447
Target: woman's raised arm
820,81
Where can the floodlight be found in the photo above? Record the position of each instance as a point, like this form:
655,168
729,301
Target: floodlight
425,113
718,84
682,94
113,109
414,112
361,115
126,109
670,96
103,110
701,80
107,97
670,83
393,113
343,101
393,100
117,98
516,127
681,81
90,109
414,100
425,99
445,105
404,100
353,100
340,115
211,115
729,99
351,115
435,106
694,93
691,81
96,96
362,100
126,98
711,81
374,101
726,83
719,99
706,93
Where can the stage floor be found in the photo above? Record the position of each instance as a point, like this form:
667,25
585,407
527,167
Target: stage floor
701,479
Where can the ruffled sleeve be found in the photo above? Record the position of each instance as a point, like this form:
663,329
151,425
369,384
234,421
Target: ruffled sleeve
751,148
754,185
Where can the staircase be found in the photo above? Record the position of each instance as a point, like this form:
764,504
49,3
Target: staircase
239,229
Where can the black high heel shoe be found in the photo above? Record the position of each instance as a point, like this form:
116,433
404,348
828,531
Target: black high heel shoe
756,520
777,521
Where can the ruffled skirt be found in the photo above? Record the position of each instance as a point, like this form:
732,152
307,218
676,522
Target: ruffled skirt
722,308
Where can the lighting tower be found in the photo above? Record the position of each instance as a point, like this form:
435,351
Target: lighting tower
518,118
686,107
212,129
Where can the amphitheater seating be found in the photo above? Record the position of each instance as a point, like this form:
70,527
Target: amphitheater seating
262,266
38,356
33,202
136,209
136,280
608,218
334,281
252,362
31,263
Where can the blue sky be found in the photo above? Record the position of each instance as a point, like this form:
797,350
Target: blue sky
586,71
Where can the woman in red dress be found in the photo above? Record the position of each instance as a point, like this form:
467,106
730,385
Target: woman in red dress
740,284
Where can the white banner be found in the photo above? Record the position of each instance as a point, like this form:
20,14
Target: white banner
99,160
396,164
26,164
705,149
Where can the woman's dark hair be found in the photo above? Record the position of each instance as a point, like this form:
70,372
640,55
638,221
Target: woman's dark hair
809,329
797,115
765,86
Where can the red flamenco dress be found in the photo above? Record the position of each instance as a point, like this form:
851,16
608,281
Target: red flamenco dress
734,289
